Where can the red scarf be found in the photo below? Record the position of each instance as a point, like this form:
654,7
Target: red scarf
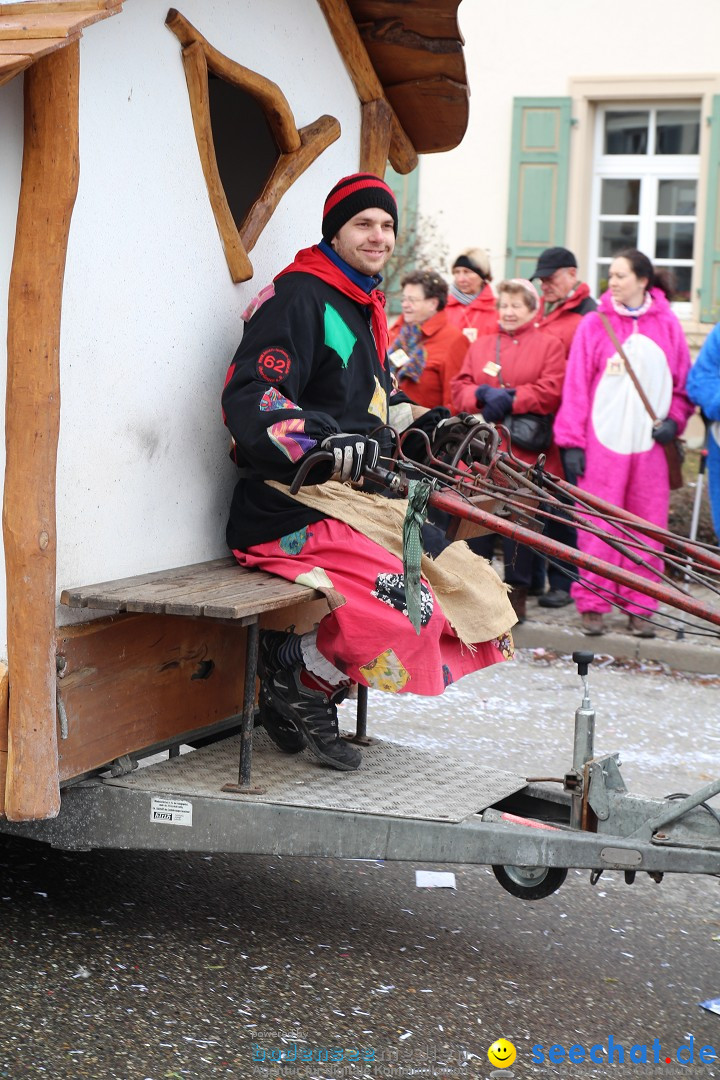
312,261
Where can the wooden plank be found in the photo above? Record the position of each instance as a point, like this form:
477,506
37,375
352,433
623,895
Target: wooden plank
219,589
47,196
435,112
64,23
55,6
389,58
128,681
368,87
10,66
430,18
3,779
33,49
77,596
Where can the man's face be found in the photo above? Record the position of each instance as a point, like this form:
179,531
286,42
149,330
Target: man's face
558,285
366,241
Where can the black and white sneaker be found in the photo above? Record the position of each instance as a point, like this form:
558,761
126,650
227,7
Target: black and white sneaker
312,712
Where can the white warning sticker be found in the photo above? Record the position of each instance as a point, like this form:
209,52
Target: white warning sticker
170,811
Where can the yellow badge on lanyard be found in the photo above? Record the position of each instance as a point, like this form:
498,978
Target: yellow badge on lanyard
491,368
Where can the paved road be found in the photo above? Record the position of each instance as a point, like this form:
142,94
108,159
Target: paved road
122,966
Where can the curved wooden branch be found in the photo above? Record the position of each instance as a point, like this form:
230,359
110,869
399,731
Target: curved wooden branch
314,139
197,82
268,94
368,87
47,196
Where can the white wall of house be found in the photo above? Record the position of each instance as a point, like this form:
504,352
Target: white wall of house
11,138
151,317
536,50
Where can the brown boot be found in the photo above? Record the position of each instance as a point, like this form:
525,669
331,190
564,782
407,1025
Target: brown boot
518,599
640,627
592,623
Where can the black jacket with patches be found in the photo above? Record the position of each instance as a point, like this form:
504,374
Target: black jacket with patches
311,347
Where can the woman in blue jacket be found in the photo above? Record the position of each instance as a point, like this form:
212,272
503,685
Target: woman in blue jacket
703,387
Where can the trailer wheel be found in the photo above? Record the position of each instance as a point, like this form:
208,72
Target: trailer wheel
530,882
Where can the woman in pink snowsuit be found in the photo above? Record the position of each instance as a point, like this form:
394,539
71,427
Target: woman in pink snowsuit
611,447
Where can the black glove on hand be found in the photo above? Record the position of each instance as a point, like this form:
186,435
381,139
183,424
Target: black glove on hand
498,403
573,459
353,454
414,446
665,431
480,393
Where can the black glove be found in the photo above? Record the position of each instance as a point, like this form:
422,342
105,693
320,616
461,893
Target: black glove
353,454
573,460
498,403
665,431
414,446
480,393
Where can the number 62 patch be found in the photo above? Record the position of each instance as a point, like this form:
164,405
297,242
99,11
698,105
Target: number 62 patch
274,364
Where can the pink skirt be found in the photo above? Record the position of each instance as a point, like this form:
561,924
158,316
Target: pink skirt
367,633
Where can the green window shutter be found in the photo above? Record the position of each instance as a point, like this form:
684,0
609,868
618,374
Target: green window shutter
710,291
405,189
539,164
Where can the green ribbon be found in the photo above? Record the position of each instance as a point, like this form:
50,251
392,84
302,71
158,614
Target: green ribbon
418,495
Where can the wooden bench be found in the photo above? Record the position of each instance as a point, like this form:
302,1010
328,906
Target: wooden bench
220,589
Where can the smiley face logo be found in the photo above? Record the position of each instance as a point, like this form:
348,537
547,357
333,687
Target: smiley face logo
501,1054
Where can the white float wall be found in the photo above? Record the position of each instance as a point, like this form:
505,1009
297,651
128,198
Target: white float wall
151,317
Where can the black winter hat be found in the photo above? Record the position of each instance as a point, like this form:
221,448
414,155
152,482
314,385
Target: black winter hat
552,259
350,196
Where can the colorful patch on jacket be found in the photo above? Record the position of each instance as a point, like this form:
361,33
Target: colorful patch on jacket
506,645
293,543
257,302
273,364
378,403
272,400
338,335
390,589
447,676
289,436
386,672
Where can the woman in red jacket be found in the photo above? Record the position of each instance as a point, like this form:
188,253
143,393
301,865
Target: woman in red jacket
425,350
519,369
471,304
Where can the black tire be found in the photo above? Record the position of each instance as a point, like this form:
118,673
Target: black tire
530,882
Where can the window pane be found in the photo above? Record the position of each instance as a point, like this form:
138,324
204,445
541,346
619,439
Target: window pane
621,197
677,198
674,240
626,132
616,235
682,276
678,131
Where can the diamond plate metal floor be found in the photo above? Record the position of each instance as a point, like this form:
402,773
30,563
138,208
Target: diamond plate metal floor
394,780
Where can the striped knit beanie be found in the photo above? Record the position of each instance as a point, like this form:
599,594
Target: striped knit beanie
350,196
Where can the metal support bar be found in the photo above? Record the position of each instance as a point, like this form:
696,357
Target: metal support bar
252,649
362,709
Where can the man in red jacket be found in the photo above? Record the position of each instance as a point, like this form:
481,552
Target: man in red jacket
565,300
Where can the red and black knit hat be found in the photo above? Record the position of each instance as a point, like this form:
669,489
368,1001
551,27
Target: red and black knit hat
361,191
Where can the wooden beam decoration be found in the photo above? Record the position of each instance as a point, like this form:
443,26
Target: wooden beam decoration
375,136
403,157
297,149
47,195
4,688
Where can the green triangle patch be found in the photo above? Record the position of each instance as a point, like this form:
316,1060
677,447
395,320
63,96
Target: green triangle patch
338,335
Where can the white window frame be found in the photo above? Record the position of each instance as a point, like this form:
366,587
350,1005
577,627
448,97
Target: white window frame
650,169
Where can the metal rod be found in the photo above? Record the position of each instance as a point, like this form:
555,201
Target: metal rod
453,504
362,711
248,713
